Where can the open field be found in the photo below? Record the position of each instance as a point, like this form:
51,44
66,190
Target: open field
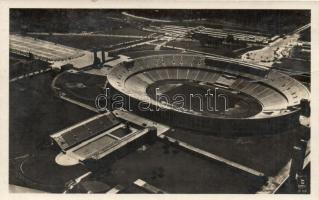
173,170
44,114
85,42
21,65
195,45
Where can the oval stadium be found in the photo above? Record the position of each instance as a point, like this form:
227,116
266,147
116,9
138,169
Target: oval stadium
245,99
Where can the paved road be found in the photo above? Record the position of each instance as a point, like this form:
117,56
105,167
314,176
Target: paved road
31,74
302,28
135,45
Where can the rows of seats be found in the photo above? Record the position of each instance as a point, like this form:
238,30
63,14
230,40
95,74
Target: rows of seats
270,98
140,81
87,130
51,55
275,92
292,89
44,49
211,77
32,40
168,60
48,54
225,81
20,48
48,46
24,52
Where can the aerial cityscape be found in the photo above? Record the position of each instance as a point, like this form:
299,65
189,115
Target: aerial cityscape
159,101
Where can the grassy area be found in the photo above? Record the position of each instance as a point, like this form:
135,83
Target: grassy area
81,87
305,35
19,65
84,42
35,113
176,171
142,47
195,45
293,65
128,31
249,151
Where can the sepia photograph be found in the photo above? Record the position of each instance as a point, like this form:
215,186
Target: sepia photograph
159,101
